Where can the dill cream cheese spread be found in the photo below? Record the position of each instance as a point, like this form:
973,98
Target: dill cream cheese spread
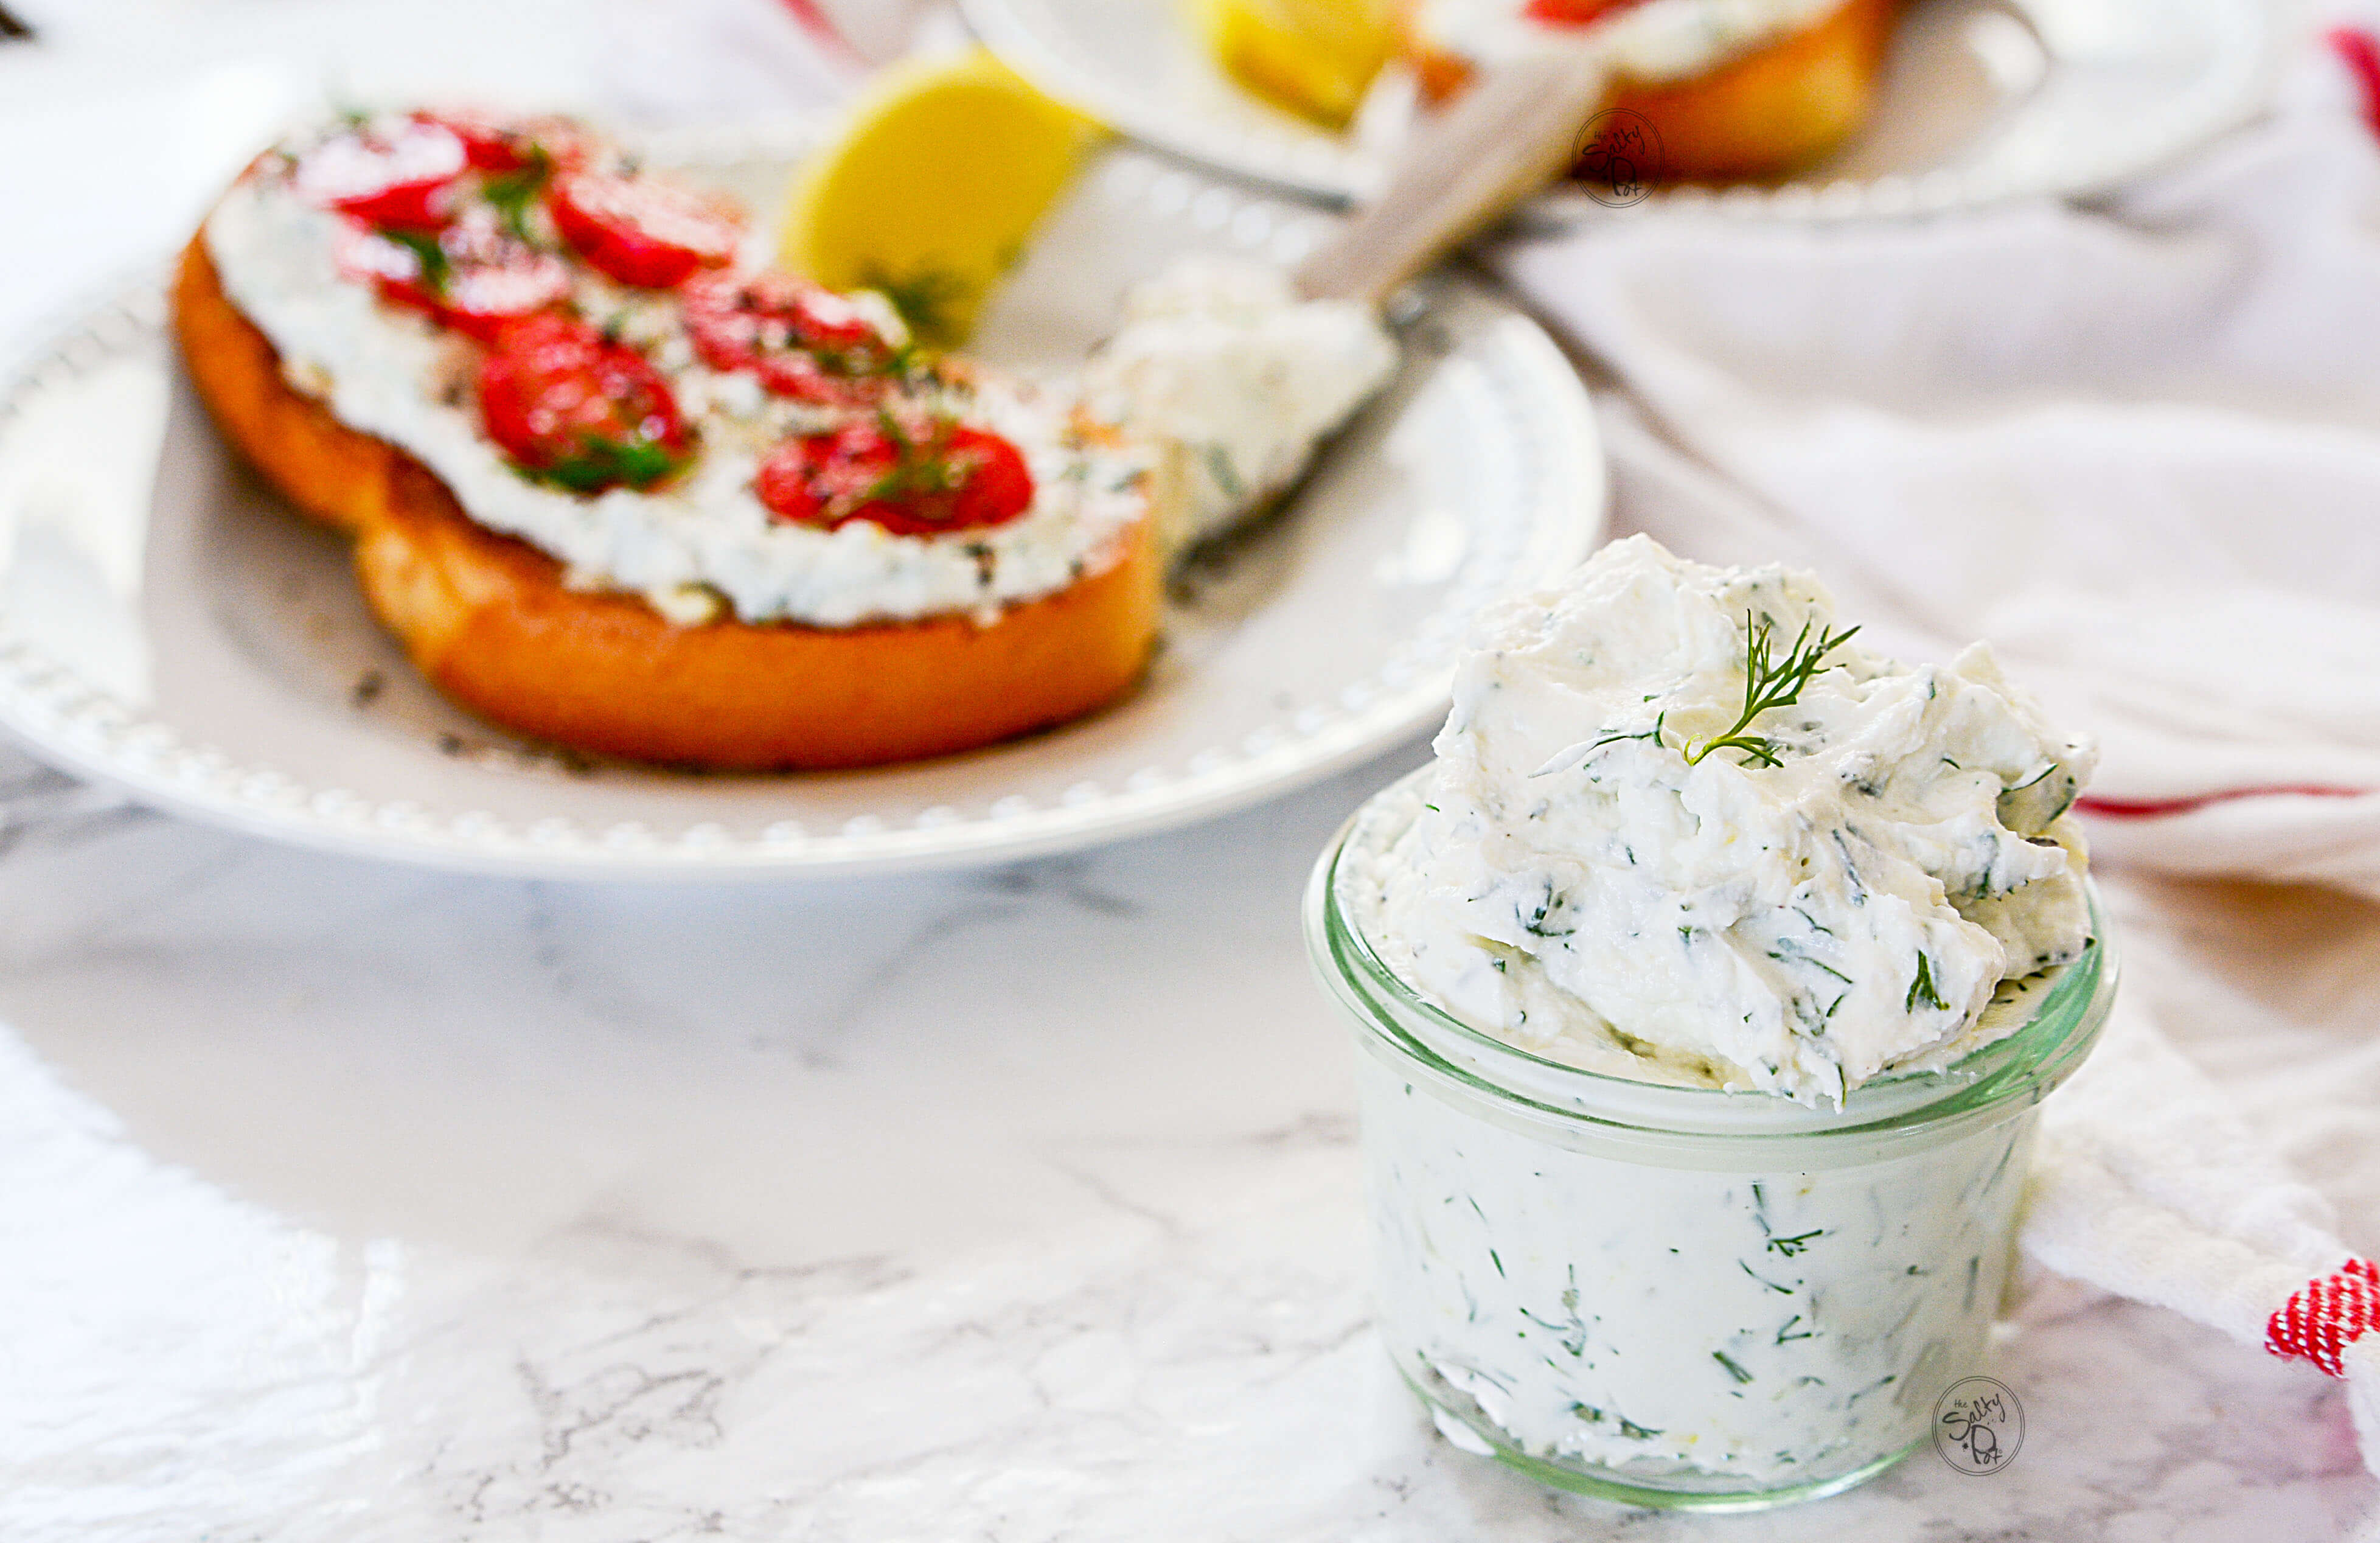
1656,41
1219,372
1680,1326
1619,870
1221,364
1650,957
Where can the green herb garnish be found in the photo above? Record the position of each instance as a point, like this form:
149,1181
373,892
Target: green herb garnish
429,253
513,194
1660,721
1768,682
930,301
1923,988
601,464
918,469
1733,1368
1225,475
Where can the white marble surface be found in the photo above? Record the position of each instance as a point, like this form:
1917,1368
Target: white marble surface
342,1202
346,1202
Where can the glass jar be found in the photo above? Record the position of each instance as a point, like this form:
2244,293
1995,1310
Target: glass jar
1678,1296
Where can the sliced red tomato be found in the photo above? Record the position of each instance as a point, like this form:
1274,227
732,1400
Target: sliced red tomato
472,276
573,408
399,176
489,139
913,479
1575,13
500,143
642,230
802,339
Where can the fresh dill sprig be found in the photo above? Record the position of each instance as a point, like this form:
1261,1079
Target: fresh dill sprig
930,300
1768,682
921,468
513,194
1660,722
600,463
429,254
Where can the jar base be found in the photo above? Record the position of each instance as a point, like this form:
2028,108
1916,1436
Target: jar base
1453,1413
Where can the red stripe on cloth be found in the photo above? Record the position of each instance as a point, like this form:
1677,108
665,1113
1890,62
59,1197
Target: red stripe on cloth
2360,51
2152,809
813,19
2326,1315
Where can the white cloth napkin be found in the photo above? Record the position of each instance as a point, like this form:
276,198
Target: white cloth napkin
2137,446
2147,1184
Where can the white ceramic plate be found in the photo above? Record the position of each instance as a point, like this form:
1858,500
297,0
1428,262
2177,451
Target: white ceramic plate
167,627
1982,99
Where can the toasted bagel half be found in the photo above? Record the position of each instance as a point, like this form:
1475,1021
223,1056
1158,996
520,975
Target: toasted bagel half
1761,113
490,621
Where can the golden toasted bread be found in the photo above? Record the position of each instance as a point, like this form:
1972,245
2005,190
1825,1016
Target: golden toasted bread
1760,115
1776,109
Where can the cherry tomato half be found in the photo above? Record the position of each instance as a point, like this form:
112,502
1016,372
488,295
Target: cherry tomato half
1575,13
802,339
501,142
399,176
641,230
472,276
573,407
915,479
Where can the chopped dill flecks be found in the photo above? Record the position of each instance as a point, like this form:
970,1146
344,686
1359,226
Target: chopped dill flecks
1923,988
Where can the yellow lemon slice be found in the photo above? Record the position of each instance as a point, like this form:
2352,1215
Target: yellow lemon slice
1315,58
931,188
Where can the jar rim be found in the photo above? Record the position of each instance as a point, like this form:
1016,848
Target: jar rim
2022,1065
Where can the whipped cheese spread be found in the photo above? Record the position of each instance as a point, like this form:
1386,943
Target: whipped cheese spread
1220,363
1685,835
1695,876
1841,890
704,538
1220,379
1682,1326
1656,41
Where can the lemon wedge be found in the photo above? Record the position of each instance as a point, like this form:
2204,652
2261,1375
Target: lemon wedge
1315,58
931,187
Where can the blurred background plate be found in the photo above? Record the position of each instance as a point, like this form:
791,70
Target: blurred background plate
1982,99
167,627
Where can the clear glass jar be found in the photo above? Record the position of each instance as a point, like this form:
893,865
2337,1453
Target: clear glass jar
1672,1297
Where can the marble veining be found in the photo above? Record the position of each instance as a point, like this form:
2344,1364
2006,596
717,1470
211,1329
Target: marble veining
353,1203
